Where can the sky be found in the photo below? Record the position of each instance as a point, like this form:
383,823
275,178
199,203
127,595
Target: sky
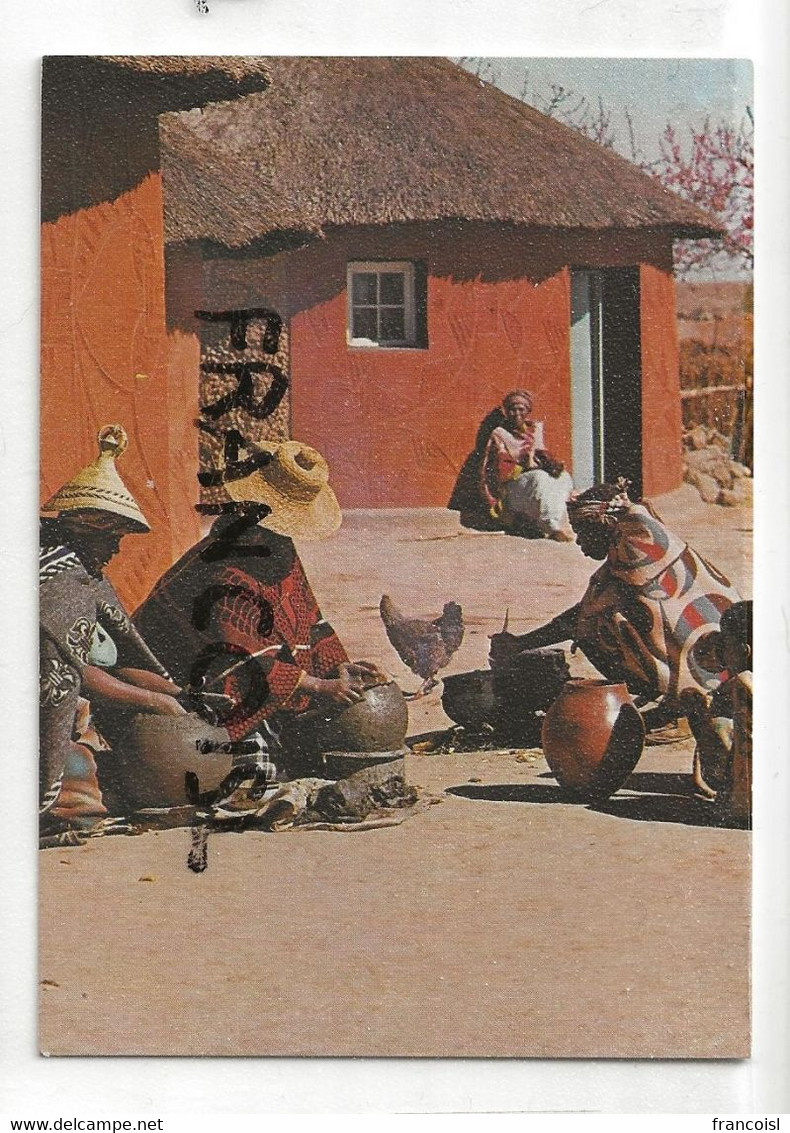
655,91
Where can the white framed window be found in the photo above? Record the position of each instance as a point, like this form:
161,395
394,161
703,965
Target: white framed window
382,304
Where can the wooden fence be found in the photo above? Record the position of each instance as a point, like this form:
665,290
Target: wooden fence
726,408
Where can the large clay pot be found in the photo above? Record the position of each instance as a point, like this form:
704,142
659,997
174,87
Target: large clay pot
155,753
592,738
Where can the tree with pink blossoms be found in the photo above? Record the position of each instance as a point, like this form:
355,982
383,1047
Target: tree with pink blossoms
715,171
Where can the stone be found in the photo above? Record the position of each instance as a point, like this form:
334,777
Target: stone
711,462
729,498
371,789
740,471
705,458
706,485
697,438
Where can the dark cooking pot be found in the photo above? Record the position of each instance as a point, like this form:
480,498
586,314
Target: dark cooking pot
468,699
507,699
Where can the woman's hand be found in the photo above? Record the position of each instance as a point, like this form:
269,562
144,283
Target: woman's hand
102,686
144,678
505,647
343,689
160,704
365,671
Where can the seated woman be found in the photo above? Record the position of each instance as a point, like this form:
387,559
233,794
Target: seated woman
525,489
89,649
237,610
646,609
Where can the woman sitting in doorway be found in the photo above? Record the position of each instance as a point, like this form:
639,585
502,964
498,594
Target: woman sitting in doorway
524,487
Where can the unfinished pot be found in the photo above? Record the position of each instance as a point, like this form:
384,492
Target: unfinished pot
507,699
592,738
531,682
154,755
378,722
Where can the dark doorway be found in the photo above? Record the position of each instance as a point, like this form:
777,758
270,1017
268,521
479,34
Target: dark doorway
606,376
622,377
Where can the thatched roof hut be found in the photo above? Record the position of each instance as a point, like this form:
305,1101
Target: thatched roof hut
372,141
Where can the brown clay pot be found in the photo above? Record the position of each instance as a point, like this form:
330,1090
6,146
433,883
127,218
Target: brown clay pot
592,738
154,755
378,722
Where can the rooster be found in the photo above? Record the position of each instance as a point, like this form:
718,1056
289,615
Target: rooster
425,647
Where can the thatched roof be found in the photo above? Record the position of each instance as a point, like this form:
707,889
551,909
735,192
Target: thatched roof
99,119
238,73
350,141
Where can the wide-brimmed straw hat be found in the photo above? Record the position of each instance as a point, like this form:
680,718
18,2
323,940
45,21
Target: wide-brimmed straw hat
294,483
98,487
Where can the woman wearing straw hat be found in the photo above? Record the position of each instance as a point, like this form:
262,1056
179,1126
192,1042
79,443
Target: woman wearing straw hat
89,648
237,612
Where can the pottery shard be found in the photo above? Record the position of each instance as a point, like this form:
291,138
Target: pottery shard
706,485
372,789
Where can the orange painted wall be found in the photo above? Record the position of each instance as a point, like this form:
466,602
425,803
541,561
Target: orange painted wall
106,356
396,425
662,422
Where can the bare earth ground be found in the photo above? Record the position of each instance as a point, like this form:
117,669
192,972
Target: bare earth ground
501,921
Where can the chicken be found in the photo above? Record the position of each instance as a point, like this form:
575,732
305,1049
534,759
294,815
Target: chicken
425,647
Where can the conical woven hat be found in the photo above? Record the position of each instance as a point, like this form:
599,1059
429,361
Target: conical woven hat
294,483
98,486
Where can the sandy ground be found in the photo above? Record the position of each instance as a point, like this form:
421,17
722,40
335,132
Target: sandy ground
500,920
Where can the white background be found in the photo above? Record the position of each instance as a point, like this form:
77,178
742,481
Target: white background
36,1087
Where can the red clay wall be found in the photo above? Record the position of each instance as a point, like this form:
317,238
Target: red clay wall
106,356
396,425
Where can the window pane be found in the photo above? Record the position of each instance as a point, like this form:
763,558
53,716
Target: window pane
391,287
393,326
363,288
364,320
